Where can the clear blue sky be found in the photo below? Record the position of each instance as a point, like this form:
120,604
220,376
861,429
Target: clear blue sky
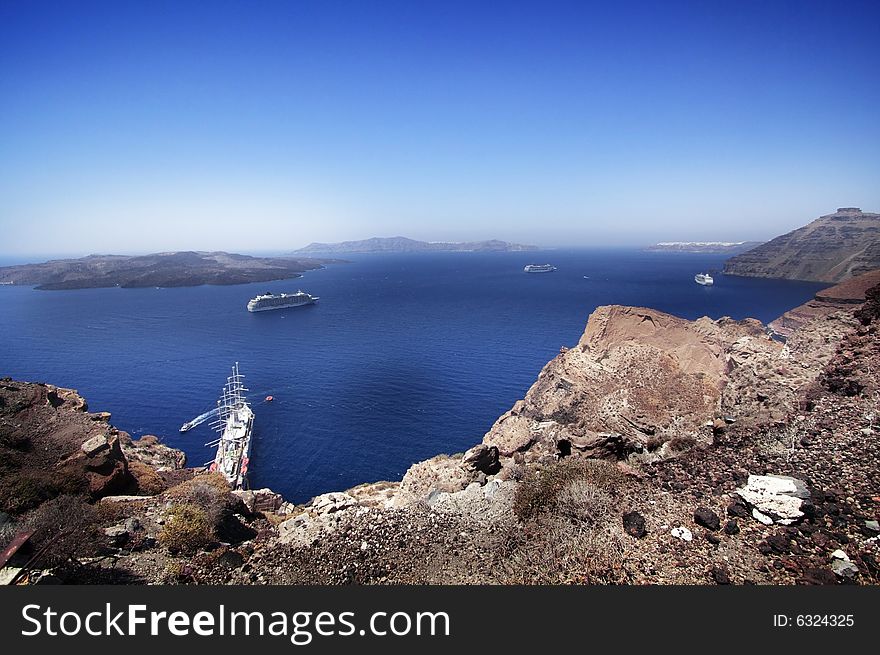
143,126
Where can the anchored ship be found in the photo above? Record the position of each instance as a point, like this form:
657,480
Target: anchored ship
267,301
234,423
539,268
704,278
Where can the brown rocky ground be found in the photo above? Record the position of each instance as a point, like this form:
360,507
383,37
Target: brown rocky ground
621,465
840,297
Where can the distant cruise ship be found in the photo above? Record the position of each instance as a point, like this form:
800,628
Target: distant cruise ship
704,278
539,268
267,301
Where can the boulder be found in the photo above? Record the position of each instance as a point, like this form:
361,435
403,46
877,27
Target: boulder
117,534
707,518
482,458
95,445
331,502
440,474
777,497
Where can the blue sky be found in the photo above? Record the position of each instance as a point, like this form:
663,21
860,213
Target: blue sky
247,126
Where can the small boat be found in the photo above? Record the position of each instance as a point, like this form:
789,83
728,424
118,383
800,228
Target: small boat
269,399
704,278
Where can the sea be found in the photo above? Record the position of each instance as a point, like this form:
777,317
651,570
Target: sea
404,356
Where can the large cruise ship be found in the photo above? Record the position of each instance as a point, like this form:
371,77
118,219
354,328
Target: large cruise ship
539,268
234,423
267,301
704,278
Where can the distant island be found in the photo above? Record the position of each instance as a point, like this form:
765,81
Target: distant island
403,244
167,269
707,247
832,248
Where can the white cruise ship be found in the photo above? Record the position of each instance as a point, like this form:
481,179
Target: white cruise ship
539,268
704,278
267,301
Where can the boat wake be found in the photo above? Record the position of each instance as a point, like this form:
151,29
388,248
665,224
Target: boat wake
198,420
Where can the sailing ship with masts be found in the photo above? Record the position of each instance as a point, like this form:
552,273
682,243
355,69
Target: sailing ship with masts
235,422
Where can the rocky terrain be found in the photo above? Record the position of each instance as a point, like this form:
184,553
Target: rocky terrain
840,297
168,269
403,244
830,249
655,451
706,247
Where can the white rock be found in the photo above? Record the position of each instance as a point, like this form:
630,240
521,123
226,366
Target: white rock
778,497
839,554
763,518
682,533
95,444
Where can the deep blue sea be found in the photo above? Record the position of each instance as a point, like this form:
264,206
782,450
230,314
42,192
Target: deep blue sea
404,356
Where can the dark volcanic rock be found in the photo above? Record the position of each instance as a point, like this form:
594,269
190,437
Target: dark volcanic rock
817,576
634,524
720,575
707,518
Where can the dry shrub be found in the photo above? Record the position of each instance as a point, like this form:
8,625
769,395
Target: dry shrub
209,491
211,494
149,482
24,490
187,529
215,483
539,491
563,552
569,532
679,445
65,528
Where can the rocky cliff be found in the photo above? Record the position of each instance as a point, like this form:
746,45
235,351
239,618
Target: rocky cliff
840,297
830,249
657,450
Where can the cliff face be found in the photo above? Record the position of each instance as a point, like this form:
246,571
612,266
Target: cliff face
830,249
841,297
637,378
50,444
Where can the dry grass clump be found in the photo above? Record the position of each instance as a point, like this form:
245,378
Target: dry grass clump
541,491
65,528
569,530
